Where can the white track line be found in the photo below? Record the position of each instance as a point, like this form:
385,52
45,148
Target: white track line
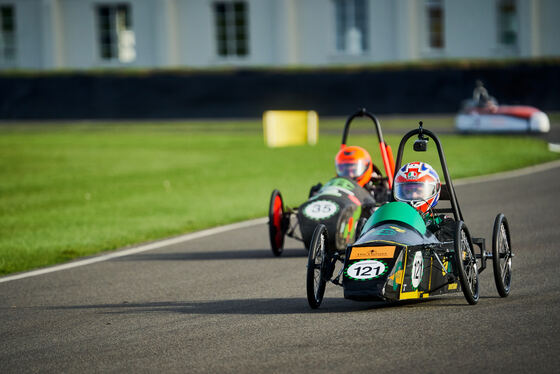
141,248
244,224
508,174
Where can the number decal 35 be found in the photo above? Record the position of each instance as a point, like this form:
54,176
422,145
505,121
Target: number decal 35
320,209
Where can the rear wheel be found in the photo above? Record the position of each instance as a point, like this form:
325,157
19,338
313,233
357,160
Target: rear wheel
501,255
317,264
276,225
466,263
361,223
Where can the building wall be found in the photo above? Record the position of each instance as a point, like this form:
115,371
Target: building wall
261,35
79,34
285,32
549,44
28,34
314,32
174,33
476,39
195,34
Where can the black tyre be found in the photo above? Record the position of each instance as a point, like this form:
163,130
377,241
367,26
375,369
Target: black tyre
501,255
465,263
276,223
317,264
361,223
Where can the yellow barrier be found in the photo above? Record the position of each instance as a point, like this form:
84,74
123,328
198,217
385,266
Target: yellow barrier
290,127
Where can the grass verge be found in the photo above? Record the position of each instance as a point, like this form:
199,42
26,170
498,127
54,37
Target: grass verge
75,189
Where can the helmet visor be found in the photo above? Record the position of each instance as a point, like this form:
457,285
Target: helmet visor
415,191
351,170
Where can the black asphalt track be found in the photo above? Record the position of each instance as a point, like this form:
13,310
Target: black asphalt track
224,304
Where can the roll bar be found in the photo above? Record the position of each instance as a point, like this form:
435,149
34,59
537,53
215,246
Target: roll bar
386,152
419,146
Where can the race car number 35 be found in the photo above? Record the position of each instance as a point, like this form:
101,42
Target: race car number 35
320,209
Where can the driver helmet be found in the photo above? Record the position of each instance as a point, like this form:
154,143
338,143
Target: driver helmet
418,184
355,163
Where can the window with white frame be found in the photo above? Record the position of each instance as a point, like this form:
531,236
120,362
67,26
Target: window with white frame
351,20
435,24
232,24
116,37
7,34
507,23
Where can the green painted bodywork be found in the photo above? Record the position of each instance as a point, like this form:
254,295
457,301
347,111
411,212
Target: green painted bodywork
397,211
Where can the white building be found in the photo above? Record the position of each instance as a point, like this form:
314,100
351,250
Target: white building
84,34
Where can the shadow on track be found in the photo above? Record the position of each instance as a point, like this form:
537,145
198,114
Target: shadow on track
265,306
241,254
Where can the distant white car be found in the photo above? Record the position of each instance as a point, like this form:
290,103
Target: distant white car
492,117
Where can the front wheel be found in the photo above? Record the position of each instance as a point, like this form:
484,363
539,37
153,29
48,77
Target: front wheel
501,255
317,267
276,224
466,265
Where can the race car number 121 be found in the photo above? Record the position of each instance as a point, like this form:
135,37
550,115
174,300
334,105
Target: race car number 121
368,269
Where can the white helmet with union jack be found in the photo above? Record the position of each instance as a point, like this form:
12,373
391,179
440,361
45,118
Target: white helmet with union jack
418,184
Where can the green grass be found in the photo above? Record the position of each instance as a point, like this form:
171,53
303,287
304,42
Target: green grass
75,189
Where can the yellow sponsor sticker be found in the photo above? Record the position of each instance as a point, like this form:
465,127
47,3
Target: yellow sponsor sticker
360,253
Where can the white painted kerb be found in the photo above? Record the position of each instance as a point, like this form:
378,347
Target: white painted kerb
141,248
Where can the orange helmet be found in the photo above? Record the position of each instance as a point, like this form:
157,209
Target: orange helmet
354,162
